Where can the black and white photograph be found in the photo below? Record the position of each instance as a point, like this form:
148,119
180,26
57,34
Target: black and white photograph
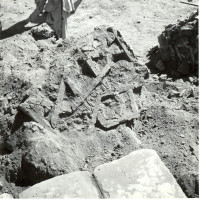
99,99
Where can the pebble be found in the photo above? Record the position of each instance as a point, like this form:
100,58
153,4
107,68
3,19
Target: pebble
162,142
155,77
173,93
185,154
181,135
165,156
162,134
191,80
59,43
163,77
183,142
9,97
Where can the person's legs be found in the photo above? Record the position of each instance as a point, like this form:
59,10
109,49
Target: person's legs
64,24
50,20
37,16
57,19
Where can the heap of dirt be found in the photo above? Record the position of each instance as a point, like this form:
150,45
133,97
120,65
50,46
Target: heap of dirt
177,53
78,118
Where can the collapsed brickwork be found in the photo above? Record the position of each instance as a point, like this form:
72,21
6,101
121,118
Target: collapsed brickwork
178,48
77,118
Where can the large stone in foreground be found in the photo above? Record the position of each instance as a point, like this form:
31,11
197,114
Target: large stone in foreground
74,185
140,174
6,196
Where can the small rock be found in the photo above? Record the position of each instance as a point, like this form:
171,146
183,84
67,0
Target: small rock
185,154
190,79
173,93
3,102
1,54
6,196
9,97
165,156
96,44
59,42
162,142
112,154
160,65
163,77
162,134
87,48
42,30
155,77
129,132
53,40
1,185
181,135
143,70
183,142
184,68
169,79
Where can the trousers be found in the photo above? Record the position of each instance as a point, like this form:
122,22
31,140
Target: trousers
57,14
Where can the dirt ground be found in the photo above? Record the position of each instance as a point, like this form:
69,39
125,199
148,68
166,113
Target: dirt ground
166,124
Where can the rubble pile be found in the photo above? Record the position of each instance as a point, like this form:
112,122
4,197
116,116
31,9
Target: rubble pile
178,48
78,118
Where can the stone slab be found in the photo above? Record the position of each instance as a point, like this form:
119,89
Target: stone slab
74,185
116,108
6,196
140,174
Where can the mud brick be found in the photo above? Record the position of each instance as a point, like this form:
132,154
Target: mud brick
72,85
65,107
107,118
87,48
110,38
134,106
114,49
123,46
91,87
36,106
3,103
27,109
95,55
184,68
92,67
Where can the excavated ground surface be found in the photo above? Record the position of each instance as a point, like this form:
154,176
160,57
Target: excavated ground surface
52,124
